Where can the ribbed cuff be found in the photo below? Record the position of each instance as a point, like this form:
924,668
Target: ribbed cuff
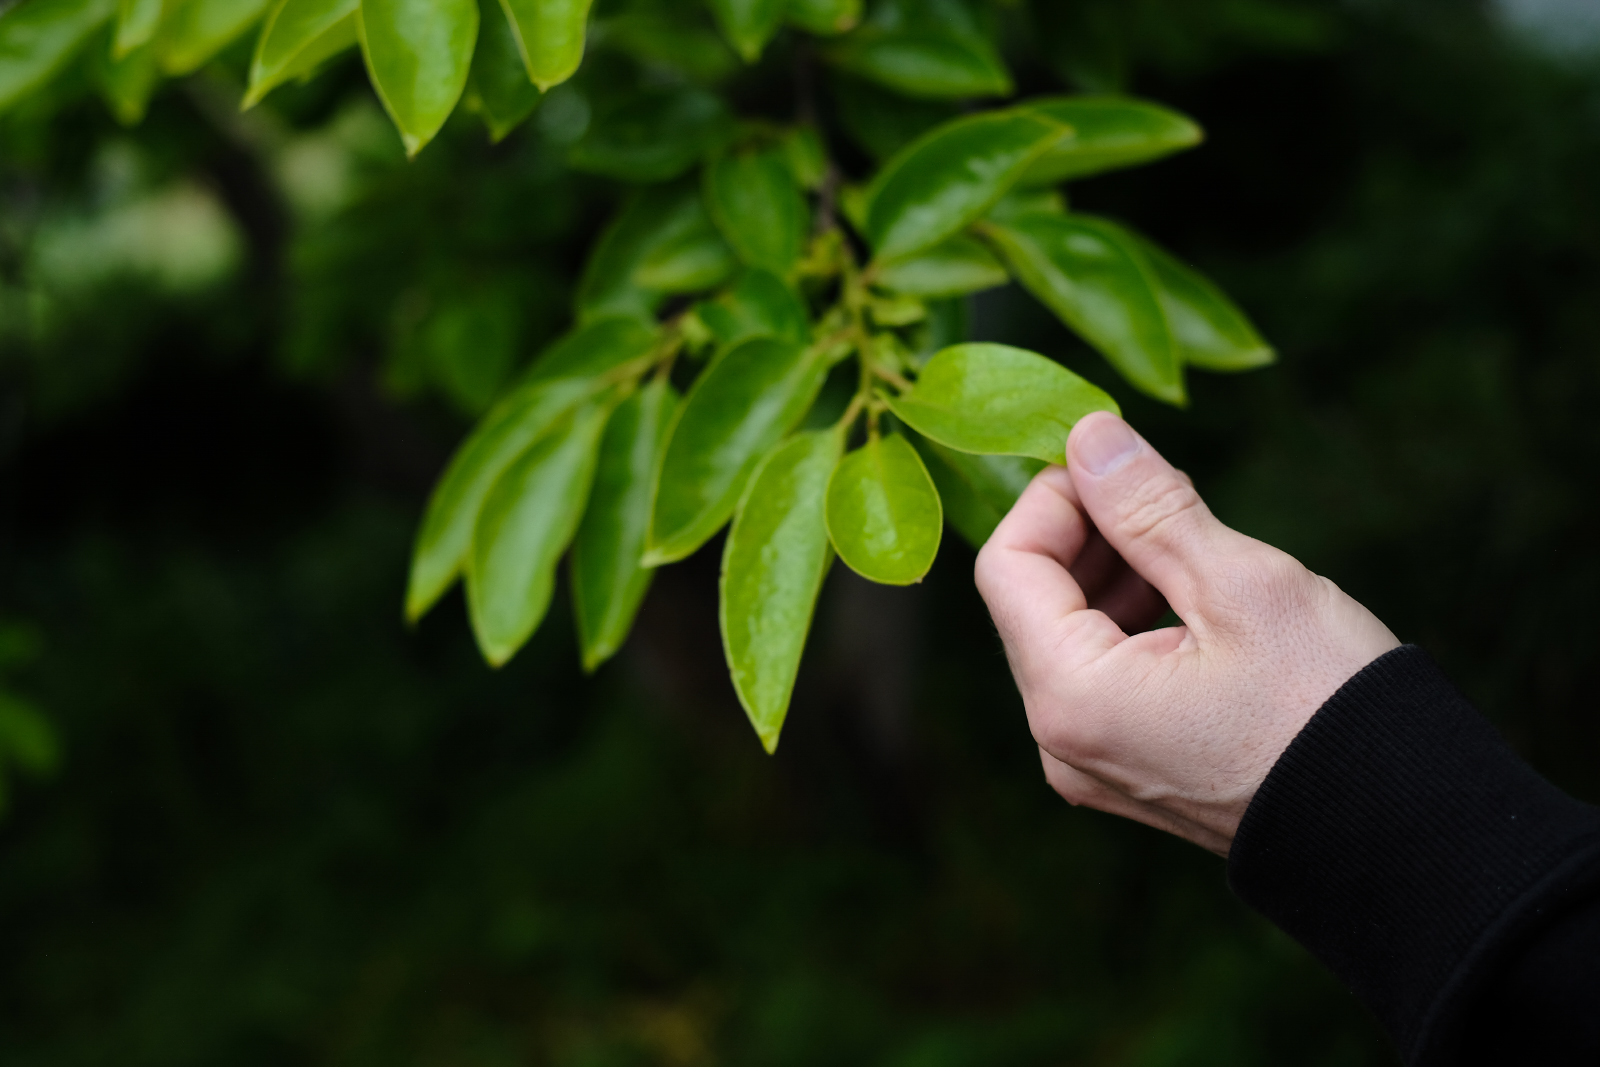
1398,838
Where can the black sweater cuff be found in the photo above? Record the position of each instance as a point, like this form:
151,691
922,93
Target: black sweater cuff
1402,842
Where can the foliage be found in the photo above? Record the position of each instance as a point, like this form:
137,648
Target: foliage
776,284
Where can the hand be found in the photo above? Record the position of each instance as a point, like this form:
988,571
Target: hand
1174,727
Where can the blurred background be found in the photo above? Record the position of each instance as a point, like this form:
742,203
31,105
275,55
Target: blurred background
252,819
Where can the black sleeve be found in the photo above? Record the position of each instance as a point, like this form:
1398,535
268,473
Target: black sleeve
1455,891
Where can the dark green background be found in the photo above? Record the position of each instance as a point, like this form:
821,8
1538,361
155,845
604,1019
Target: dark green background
286,830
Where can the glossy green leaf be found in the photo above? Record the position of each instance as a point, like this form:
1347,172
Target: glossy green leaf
549,34
956,266
998,400
1094,275
528,519
826,18
1027,200
612,345
297,37
498,88
608,580
737,410
654,221
418,55
884,515
950,176
977,491
507,431
773,564
654,136
199,29
748,24
128,83
38,38
756,203
879,121
759,304
926,63
137,22
1109,132
688,257
1211,332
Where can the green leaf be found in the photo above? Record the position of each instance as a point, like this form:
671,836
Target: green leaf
198,30
879,121
737,410
998,400
137,22
758,305
654,136
418,54
804,155
1110,132
826,18
549,34
128,83
612,345
1211,332
527,521
977,491
920,62
755,202
884,516
498,88
773,564
695,52
653,223
299,35
608,581
950,176
748,24
689,257
1034,200
26,737
956,266
1094,275
38,38
507,431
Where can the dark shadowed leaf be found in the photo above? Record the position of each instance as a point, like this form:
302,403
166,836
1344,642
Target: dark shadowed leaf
659,225
923,62
671,41
418,54
654,136
825,18
127,83
689,256
879,121
757,205
498,87
773,564
884,517
1108,132
758,305
603,346
748,24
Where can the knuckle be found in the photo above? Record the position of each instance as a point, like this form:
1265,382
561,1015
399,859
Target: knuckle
1156,506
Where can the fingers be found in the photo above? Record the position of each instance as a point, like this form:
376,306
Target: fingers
1147,511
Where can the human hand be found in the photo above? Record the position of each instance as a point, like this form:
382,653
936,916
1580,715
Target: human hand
1174,727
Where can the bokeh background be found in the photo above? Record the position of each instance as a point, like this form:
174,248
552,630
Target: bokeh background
268,824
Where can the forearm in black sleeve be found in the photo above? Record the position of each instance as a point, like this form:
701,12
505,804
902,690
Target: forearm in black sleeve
1454,890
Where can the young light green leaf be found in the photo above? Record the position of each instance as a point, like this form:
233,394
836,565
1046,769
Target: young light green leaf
950,176
507,431
1094,275
748,24
884,516
527,521
608,582
498,88
199,29
758,305
688,257
298,36
736,411
998,400
825,18
654,136
1211,332
956,266
755,202
977,491
418,54
137,22
128,83
921,62
38,38
610,345
550,35
656,217
773,564
1110,132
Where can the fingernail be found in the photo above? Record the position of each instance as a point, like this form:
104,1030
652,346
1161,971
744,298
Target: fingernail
1105,445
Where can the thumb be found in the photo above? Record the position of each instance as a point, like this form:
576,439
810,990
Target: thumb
1145,508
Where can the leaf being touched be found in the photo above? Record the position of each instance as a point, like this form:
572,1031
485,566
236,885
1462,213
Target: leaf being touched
418,55
773,564
884,516
998,400
527,521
